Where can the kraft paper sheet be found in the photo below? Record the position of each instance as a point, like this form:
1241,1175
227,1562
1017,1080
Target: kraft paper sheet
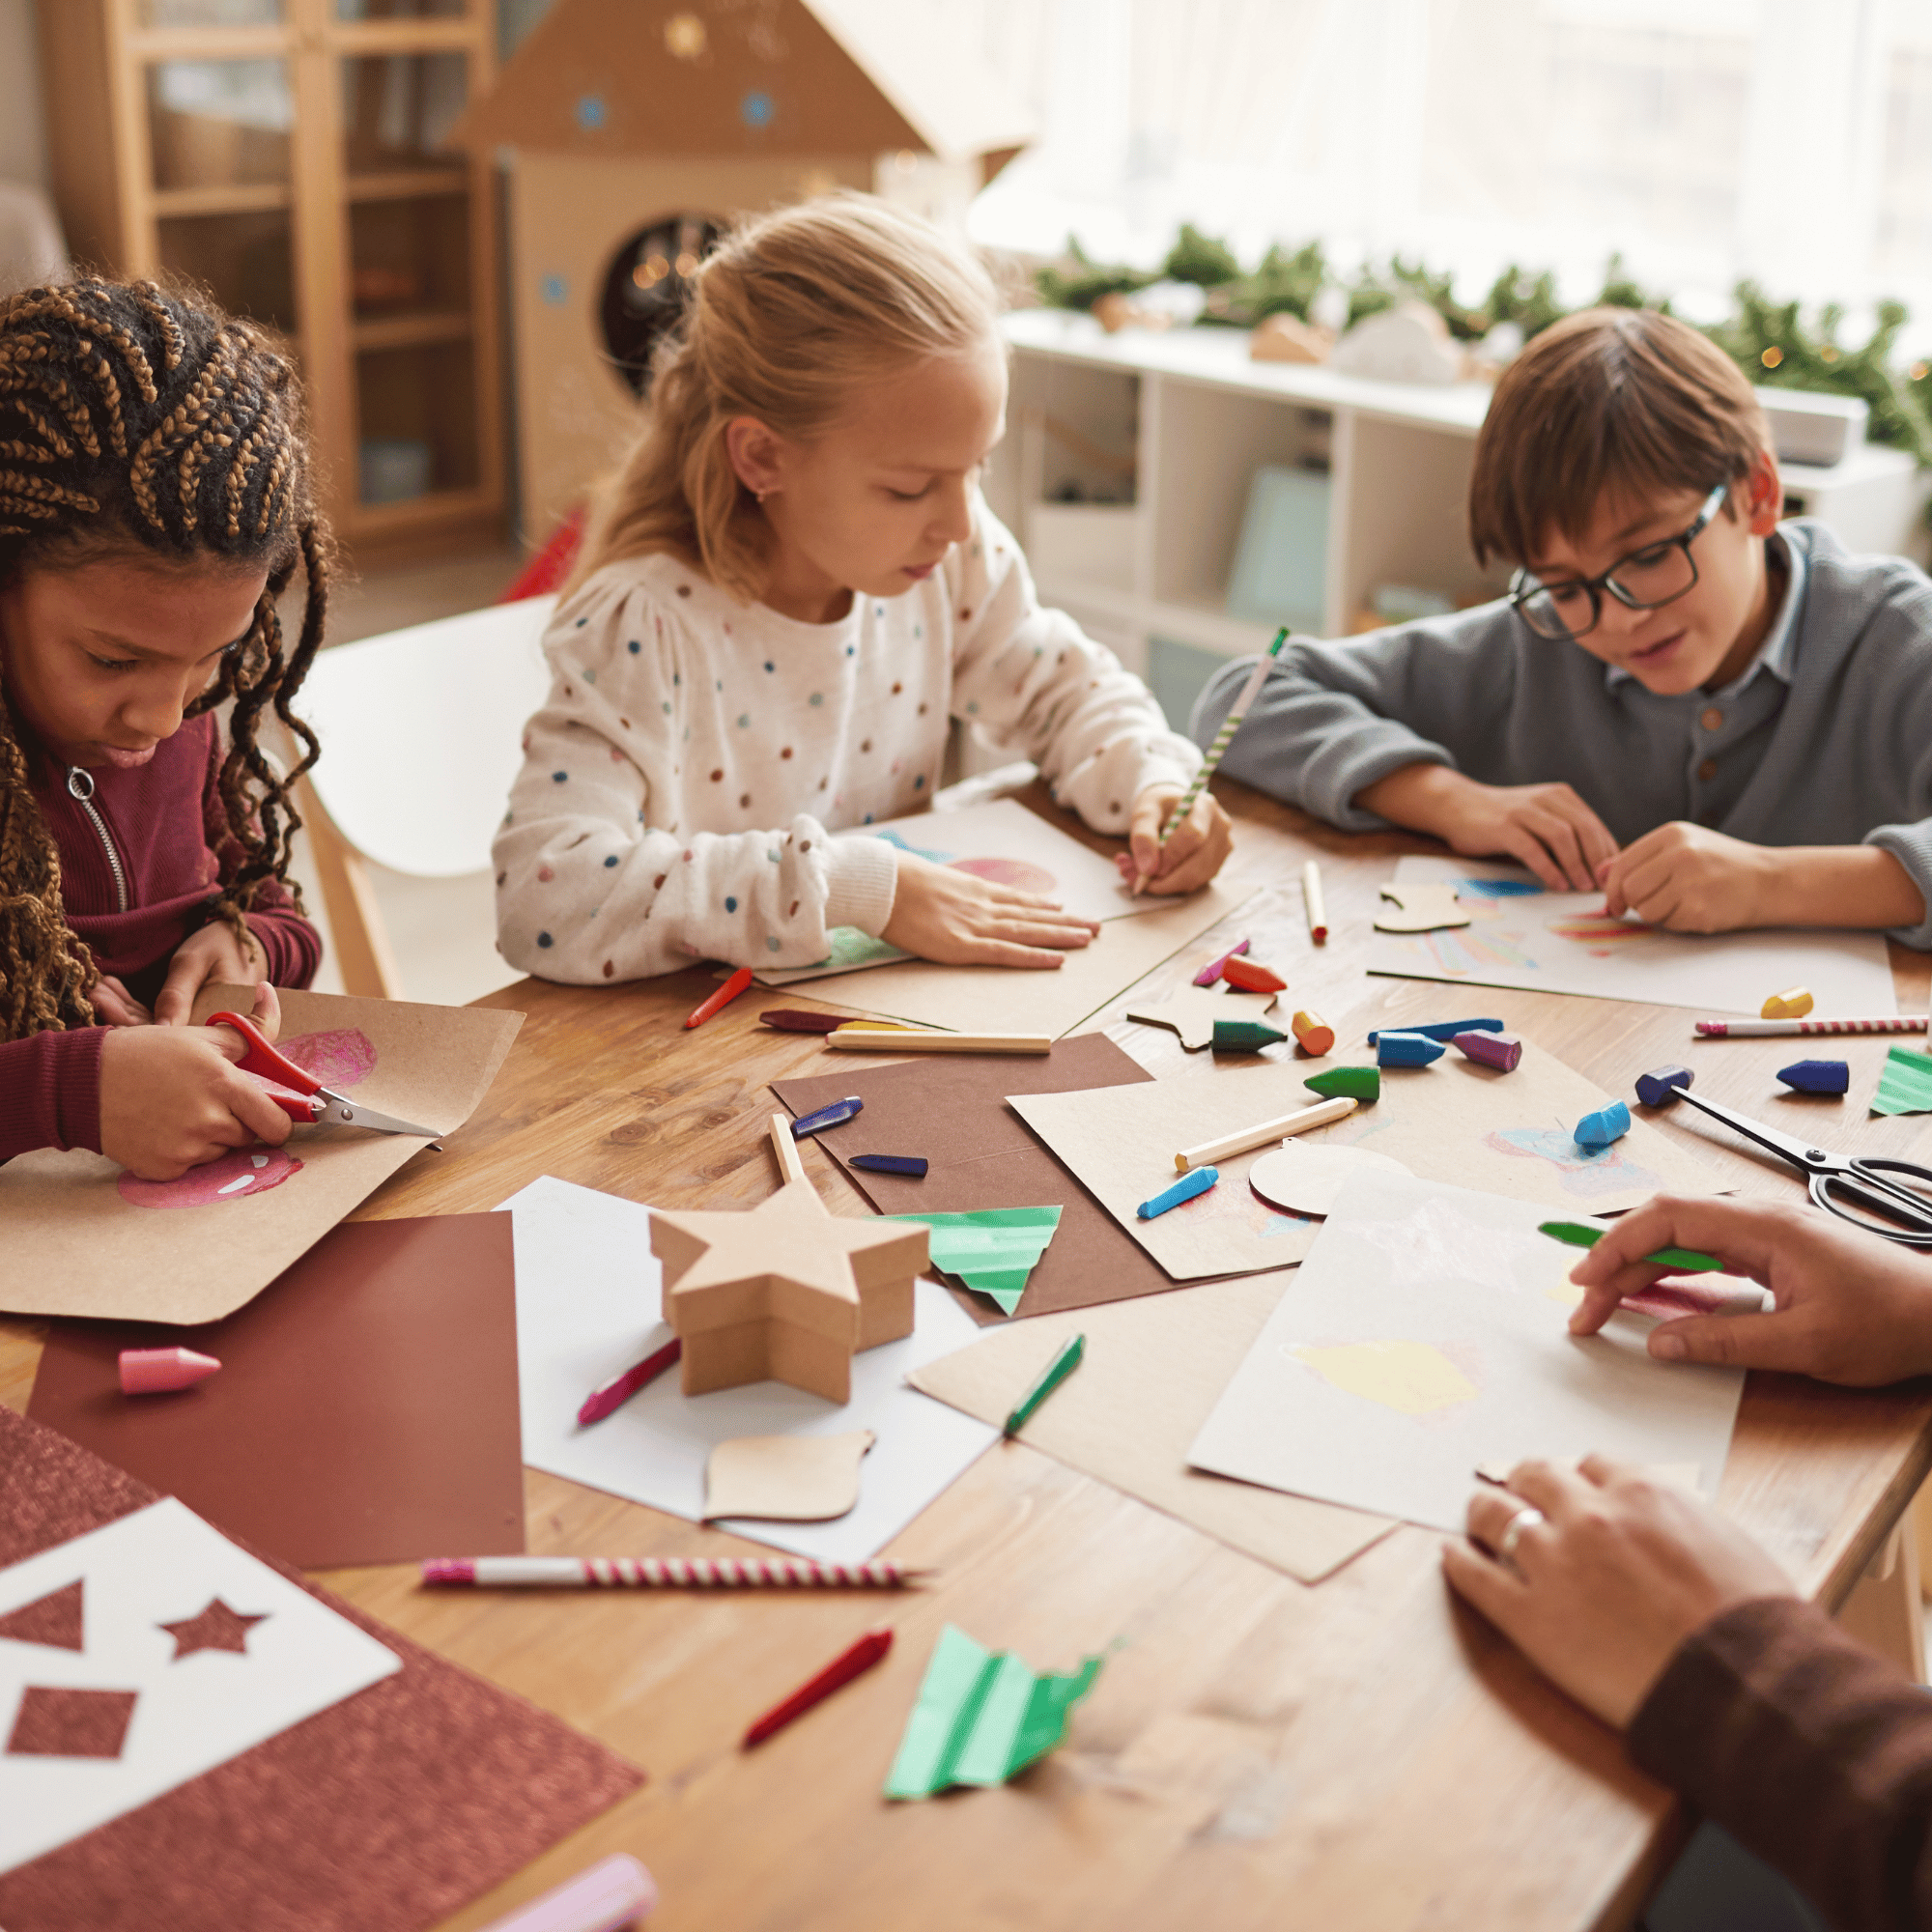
1509,1133
85,1239
1152,1371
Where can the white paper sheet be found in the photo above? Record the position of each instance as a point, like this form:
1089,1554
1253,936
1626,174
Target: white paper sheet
162,1565
1003,842
588,1306
1561,942
1426,1333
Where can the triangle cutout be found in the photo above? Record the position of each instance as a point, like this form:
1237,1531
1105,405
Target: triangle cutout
54,1621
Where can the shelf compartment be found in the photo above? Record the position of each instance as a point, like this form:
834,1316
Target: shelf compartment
412,332
398,109
245,259
164,14
240,198
409,259
218,123
417,421
407,184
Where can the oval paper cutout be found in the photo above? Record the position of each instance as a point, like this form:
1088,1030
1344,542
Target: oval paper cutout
1305,1179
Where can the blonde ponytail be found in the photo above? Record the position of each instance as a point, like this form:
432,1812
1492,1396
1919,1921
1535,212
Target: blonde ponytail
791,314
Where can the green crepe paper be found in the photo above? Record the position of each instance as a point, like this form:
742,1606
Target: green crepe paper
981,1716
991,1249
1904,1083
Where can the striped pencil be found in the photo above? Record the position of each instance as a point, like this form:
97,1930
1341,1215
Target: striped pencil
1765,1029
667,1573
1218,750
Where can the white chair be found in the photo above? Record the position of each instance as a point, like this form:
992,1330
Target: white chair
421,733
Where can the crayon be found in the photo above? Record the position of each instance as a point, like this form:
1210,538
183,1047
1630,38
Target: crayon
1065,1359
1199,1182
721,998
163,1370
1580,1234
613,1395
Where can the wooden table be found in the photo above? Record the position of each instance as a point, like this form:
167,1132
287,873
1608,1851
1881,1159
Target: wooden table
1361,1754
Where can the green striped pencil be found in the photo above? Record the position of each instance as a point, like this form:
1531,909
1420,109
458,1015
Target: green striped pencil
1218,750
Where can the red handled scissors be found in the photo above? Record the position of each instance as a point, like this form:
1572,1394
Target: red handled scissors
307,1102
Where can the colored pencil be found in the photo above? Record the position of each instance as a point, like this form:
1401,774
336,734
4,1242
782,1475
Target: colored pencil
1298,1123
870,1649
1311,895
876,1040
1579,1234
1214,970
1766,1029
721,998
1218,750
667,1573
604,1897
613,1395
1064,1362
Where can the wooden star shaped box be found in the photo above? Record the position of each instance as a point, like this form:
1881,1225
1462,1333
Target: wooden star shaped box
785,1291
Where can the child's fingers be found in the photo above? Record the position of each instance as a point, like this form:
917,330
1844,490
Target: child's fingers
1069,936
1520,843
1559,838
175,1002
267,1013
1785,1339
1742,1235
981,951
1597,1305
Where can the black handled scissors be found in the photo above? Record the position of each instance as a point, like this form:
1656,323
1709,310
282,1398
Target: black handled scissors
1840,1183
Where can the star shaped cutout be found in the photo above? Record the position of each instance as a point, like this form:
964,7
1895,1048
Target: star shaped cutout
216,1627
1191,1011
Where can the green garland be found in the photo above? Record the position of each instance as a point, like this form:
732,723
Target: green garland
1771,342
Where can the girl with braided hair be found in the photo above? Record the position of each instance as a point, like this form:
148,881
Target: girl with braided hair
155,504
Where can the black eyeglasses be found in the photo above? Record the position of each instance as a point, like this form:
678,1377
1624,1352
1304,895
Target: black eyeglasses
1659,573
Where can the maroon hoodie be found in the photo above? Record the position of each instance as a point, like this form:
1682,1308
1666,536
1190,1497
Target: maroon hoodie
141,862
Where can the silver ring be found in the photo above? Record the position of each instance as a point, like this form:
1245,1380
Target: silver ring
1524,1519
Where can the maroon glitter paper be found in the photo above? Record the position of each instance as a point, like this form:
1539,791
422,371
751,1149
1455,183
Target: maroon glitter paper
65,1721
382,1813
54,1620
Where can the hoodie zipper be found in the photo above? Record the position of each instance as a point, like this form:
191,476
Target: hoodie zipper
80,788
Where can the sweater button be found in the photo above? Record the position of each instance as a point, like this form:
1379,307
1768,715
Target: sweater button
1708,770
1712,719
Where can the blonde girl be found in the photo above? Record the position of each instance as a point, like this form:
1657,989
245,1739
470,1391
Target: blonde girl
791,590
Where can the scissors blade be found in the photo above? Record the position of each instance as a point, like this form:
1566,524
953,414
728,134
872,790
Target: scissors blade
1801,1155
337,1112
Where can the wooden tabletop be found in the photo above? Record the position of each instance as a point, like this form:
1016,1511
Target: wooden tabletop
1363,1753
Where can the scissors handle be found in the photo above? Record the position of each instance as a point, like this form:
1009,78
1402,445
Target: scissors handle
1864,1179
260,1057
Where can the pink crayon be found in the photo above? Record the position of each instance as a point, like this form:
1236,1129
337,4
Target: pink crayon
161,1370
617,1891
1214,970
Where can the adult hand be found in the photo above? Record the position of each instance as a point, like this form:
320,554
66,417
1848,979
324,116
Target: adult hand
115,1006
1850,1306
1687,878
960,920
172,1097
1196,849
211,956
1547,827
1602,1593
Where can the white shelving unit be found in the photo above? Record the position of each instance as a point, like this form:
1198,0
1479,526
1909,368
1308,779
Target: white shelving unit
1173,426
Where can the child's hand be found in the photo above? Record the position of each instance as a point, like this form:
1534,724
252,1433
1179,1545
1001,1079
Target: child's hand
1689,879
1850,1306
960,920
214,955
1602,1593
115,1006
1196,851
1547,827
171,1098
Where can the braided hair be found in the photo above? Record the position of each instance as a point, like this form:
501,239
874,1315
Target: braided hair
146,423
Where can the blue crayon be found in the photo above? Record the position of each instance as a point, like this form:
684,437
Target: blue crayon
1608,1124
1653,1089
835,1115
888,1163
1817,1076
1183,1189
1407,1049
1445,1030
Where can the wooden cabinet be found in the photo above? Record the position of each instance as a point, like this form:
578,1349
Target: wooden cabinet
291,156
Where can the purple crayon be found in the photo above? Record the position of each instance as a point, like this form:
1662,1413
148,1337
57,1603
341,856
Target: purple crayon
1500,1050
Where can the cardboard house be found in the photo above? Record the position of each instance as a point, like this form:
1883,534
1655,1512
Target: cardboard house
635,128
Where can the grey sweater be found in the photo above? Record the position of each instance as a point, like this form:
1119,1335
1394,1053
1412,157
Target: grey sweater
1833,747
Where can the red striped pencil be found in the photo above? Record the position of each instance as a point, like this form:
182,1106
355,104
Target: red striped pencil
667,1573
613,1395
1766,1029
870,1649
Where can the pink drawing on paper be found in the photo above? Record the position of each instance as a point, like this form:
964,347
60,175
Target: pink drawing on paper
1588,1172
344,1057
1020,874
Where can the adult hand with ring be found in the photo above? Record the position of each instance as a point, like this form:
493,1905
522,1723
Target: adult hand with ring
1621,1572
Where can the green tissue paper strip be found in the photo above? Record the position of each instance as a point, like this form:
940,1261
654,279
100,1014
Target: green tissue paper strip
1904,1083
992,1249
982,1717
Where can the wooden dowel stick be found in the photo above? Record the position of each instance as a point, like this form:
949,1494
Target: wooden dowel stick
866,1039
787,1148
1298,1123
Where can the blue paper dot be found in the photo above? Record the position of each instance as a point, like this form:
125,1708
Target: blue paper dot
589,112
769,666
868,818
544,939
557,778
677,677
589,675
972,708
730,905
755,110
666,702
851,650
609,862
634,647
582,621
555,291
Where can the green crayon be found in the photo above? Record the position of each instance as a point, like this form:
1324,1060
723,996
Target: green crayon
1580,1234
1052,1375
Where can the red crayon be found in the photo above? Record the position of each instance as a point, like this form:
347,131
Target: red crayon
612,1396
723,997
163,1371
870,1650
1248,976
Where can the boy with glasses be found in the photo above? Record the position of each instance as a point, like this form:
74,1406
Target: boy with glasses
1718,718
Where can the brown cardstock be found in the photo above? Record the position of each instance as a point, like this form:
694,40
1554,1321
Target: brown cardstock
382,1813
366,1408
77,1246
953,1112
1152,1372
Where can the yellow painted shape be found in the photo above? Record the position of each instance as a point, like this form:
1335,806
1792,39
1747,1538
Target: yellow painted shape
1409,1377
1792,1004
